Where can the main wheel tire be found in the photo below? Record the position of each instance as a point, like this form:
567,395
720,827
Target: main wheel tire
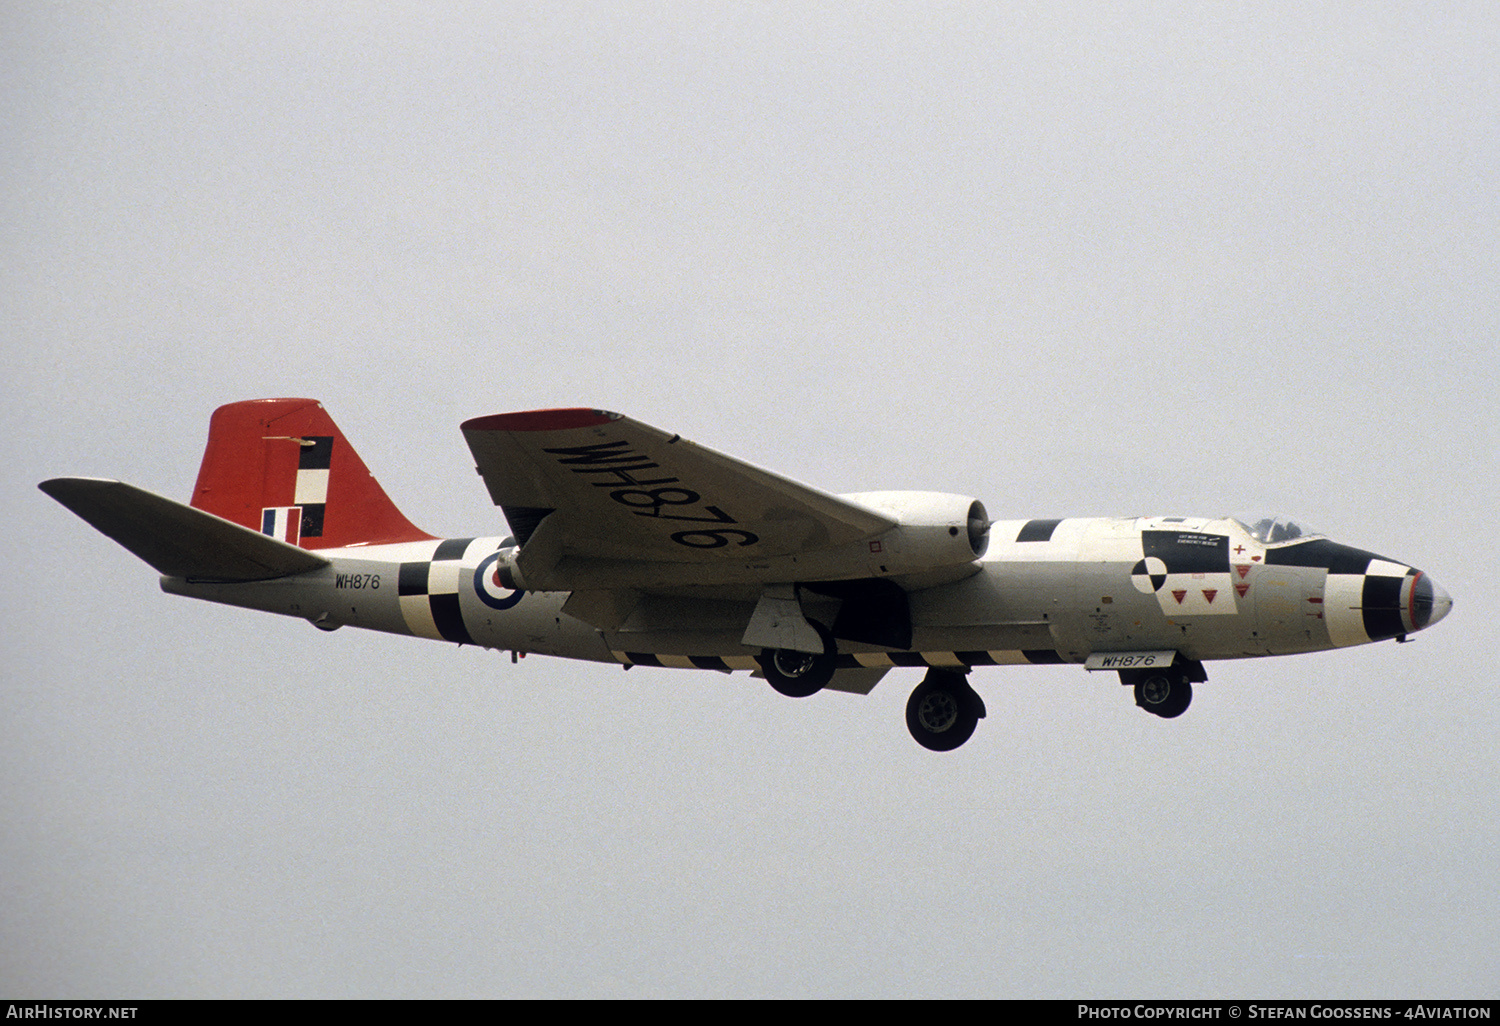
942,712
1164,694
801,674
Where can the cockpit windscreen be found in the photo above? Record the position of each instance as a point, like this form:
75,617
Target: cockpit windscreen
1275,530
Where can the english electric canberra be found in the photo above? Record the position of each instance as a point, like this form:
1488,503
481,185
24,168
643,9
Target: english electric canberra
632,546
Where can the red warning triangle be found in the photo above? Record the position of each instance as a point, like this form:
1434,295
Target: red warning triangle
1244,569
1241,589
1179,594
1209,594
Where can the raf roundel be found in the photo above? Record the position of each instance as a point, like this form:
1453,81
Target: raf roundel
1149,575
487,585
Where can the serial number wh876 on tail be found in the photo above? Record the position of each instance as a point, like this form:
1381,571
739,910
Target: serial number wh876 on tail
632,546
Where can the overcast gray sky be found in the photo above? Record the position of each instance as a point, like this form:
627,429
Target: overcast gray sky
1070,258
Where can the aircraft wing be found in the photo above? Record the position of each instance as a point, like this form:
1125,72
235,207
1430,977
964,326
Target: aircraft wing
599,500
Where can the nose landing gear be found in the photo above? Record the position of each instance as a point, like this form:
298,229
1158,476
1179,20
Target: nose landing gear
1166,693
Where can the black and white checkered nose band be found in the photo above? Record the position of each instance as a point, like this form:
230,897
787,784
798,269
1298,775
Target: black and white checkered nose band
1367,597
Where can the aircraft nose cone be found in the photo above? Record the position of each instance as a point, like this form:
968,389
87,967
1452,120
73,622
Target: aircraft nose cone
1442,602
1429,602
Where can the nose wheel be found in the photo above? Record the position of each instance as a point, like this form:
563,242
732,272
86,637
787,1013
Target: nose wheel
1166,693
1164,696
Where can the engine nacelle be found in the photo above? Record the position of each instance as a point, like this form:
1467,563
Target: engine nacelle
505,574
938,538
936,531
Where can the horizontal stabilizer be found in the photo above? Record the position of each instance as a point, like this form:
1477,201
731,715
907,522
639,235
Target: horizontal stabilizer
176,539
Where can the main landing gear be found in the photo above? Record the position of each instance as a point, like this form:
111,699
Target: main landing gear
943,710
941,713
801,674
1165,692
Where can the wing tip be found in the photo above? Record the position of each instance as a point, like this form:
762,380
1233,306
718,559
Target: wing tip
60,487
542,420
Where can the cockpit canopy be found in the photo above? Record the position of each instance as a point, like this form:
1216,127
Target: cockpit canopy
1274,530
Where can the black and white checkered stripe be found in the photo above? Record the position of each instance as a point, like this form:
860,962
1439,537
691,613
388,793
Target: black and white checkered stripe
313,462
1368,606
854,660
1365,596
428,593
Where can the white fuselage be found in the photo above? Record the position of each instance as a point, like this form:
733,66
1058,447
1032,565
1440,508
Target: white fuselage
1047,591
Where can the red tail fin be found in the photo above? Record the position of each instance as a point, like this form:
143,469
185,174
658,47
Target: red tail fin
283,468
